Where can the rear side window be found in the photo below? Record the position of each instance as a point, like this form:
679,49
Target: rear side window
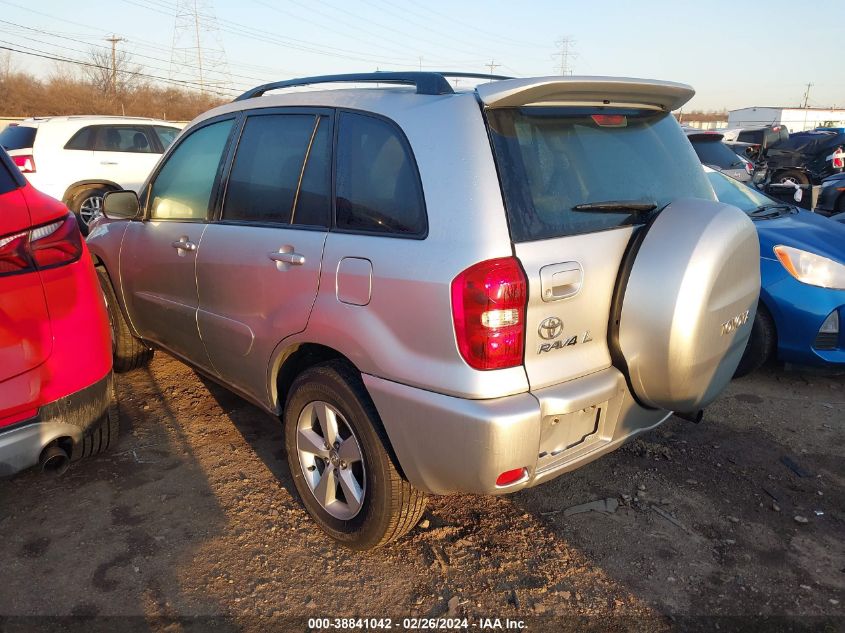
378,186
553,159
714,152
123,139
83,139
182,188
279,172
7,183
18,137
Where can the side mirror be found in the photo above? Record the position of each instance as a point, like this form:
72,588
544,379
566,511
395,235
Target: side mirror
121,205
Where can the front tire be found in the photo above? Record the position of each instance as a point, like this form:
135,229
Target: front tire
128,352
761,344
339,463
793,175
87,204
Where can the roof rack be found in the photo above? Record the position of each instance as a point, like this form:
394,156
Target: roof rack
426,83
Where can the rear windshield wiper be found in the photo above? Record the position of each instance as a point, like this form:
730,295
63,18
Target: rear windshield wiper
612,206
766,210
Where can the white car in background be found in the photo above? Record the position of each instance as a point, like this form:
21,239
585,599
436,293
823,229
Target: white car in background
78,159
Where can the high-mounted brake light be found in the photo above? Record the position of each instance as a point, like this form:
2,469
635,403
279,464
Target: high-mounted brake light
488,307
610,120
25,162
43,247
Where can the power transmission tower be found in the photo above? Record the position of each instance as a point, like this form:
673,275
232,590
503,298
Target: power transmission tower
114,39
567,55
198,55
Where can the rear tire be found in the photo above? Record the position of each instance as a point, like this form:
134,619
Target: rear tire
761,344
128,352
389,506
104,436
798,177
86,204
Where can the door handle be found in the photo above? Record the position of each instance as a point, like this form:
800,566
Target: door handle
287,258
184,244
560,281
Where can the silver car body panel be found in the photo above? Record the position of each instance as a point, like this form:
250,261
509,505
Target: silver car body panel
446,444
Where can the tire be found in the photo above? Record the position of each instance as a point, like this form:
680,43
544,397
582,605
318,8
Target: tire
794,175
104,436
388,506
86,203
761,343
128,352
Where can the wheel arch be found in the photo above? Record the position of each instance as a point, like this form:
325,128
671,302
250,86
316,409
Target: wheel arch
80,185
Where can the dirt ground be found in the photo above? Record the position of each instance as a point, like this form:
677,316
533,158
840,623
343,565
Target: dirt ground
192,523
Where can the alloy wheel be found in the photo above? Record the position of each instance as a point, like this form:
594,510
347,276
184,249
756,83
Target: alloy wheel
90,208
331,460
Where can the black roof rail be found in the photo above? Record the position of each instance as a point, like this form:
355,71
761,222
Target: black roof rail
426,83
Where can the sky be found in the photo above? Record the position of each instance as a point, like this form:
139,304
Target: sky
734,53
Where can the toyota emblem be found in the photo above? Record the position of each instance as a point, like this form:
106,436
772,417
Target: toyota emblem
550,328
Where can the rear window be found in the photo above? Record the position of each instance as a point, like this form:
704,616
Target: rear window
714,152
7,183
18,137
552,159
83,139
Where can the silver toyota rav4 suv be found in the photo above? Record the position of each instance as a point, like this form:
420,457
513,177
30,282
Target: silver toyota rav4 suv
437,291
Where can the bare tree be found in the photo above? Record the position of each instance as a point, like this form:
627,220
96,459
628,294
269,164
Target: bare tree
6,65
111,72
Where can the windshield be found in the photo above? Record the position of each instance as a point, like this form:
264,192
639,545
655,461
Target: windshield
17,137
742,196
551,159
166,134
714,152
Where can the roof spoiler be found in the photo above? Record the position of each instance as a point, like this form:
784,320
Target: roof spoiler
610,91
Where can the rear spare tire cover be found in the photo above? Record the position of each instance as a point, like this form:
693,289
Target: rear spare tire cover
687,297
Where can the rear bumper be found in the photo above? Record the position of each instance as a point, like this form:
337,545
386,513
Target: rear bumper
450,445
72,417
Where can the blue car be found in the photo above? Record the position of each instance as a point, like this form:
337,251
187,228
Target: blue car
802,269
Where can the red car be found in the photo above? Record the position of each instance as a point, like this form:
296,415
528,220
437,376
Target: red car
55,338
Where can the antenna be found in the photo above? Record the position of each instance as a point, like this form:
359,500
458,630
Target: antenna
197,54
566,53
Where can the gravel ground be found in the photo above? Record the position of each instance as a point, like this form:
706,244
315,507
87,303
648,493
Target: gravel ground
192,523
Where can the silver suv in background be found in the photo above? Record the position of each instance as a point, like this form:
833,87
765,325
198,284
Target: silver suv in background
77,159
437,291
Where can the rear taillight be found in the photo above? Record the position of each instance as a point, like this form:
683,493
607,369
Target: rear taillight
488,307
41,248
56,243
25,162
14,257
749,167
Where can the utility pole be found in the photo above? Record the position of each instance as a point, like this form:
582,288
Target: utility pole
566,54
492,66
807,95
114,39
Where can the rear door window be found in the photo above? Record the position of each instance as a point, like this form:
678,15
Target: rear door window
18,137
552,159
182,188
378,185
123,139
281,171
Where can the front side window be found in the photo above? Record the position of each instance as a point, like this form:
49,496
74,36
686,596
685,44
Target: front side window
280,173
378,186
567,171
123,139
182,188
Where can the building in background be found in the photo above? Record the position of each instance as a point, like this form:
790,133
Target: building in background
796,119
